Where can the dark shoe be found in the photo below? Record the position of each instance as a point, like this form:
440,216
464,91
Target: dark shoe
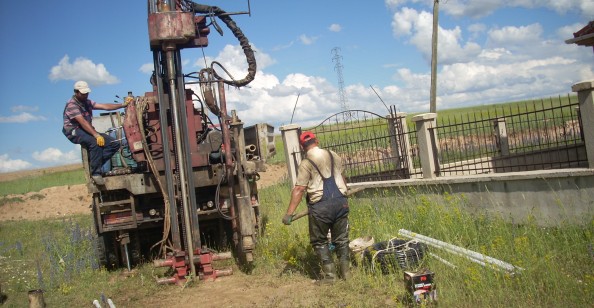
345,270
328,269
344,261
98,179
329,273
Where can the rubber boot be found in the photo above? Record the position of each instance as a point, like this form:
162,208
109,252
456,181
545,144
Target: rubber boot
344,261
328,269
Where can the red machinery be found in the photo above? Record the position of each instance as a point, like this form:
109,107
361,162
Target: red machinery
188,188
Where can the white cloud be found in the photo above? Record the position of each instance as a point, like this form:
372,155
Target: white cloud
477,30
268,99
335,28
21,108
477,9
232,58
307,40
493,54
81,69
519,37
469,83
468,8
566,32
23,117
53,155
514,65
395,4
281,47
147,68
9,165
516,62
402,22
419,27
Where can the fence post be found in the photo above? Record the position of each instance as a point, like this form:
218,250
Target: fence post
290,135
501,134
584,90
424,122
399,142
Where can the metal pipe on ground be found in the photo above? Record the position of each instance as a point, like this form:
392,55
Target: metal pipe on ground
471,255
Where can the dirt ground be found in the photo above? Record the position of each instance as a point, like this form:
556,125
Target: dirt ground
61,201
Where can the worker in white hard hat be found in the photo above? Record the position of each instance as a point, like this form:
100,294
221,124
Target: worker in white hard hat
78,128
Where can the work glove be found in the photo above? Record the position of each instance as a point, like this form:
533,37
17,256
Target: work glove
128,100
288,219
100,140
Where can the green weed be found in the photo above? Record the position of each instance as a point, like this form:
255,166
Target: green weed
6,200
31,184
558,269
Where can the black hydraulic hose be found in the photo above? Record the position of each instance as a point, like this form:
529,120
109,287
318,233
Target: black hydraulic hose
243,42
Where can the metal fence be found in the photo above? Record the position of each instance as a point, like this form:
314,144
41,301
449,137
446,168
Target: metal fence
372,147
539,135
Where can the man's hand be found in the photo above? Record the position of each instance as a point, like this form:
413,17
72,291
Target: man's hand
127,100
100,140
288,219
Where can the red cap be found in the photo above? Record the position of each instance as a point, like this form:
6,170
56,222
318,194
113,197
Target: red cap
305,137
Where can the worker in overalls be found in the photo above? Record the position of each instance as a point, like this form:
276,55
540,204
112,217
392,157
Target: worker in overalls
320,176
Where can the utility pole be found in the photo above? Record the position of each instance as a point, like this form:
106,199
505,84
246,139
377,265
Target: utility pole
432,100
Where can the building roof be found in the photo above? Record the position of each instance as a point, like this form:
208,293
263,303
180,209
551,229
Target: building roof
584,37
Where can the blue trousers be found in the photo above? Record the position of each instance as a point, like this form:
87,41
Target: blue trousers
97,155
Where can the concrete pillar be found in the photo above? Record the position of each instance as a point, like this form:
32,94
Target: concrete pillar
501,133
586,100
424,122
290,135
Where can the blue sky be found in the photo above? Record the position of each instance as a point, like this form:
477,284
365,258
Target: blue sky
490,51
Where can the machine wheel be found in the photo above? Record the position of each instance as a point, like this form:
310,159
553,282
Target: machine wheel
105,252
245,260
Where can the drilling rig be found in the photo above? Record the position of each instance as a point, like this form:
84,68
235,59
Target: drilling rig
182,191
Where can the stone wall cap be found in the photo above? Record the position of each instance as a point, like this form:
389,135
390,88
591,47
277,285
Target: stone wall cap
583,86
289,127
424,116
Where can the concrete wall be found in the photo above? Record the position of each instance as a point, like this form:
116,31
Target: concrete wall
551,197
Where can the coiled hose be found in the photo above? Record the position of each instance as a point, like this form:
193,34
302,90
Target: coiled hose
243,42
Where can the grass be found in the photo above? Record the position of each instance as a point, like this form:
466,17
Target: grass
5,200
279,156
558,262
31,184
57,256
477,113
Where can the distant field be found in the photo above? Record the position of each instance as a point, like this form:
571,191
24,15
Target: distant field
9,176
34,180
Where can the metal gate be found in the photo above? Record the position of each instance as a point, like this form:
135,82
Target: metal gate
372,147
